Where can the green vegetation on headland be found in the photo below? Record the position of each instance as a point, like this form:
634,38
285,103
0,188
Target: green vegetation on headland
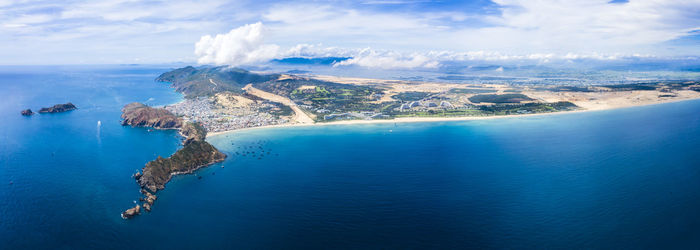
192,156
206,81
195,153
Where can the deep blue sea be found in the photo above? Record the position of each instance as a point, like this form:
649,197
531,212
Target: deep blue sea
626,178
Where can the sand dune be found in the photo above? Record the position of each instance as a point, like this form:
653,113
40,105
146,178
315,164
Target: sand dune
299,115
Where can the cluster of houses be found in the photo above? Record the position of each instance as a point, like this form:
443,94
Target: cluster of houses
216,119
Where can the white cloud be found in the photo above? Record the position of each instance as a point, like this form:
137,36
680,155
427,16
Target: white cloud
129,10
389,59
521,27
586,26
109,31
386,59
345,27
242,45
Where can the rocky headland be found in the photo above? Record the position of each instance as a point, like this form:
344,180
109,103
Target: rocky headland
195,153
192,156
139,115
207,81
58,108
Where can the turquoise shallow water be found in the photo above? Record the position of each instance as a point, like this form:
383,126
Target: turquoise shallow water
619,178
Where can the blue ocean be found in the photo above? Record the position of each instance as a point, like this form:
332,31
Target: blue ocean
626,178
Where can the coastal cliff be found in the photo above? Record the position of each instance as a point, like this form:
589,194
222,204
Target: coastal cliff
58,108
195,153
139,115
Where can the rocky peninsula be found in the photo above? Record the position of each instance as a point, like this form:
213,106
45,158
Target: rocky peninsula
195,153
58,108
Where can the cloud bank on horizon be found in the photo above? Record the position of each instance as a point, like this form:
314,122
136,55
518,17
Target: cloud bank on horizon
383,34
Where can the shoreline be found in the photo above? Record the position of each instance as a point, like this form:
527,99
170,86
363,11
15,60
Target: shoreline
435,119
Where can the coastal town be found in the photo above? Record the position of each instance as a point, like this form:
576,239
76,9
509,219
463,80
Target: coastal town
226,99
227,111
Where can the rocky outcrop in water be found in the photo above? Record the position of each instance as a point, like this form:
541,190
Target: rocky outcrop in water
58,108
139,115
27,112
148,200
131,212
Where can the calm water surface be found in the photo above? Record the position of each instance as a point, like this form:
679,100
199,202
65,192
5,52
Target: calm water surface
621,178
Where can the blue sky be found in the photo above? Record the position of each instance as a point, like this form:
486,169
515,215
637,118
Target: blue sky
376,33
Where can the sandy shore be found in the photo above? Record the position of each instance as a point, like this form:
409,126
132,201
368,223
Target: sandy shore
438,119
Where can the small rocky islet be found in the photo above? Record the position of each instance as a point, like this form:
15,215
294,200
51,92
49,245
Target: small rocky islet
195,153
58,108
